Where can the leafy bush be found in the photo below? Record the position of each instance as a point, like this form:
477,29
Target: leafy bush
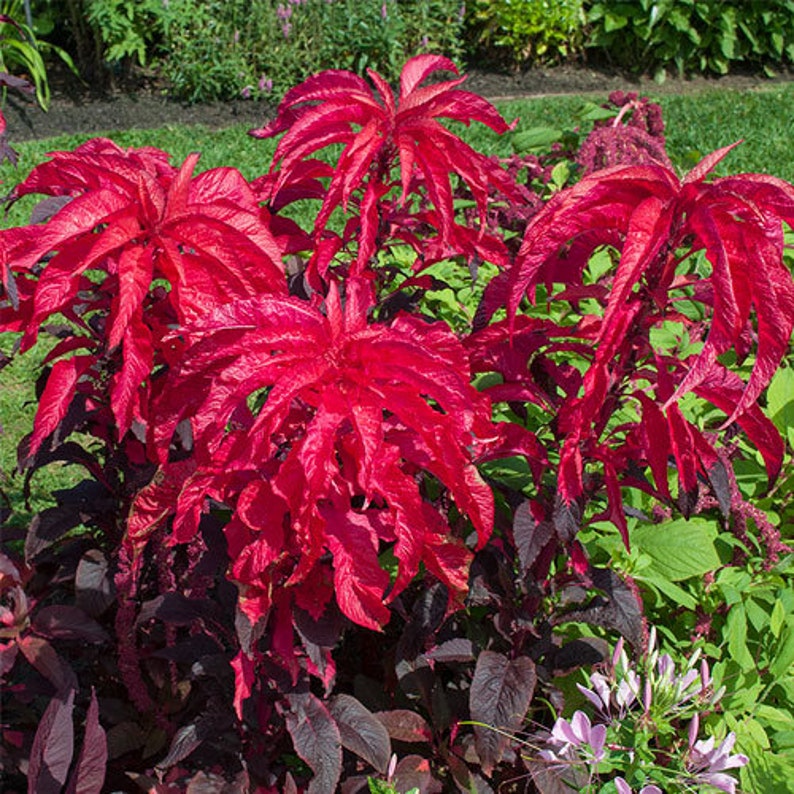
517,32
692,35
332,509
225,49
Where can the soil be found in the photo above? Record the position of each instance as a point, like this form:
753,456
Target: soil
144,104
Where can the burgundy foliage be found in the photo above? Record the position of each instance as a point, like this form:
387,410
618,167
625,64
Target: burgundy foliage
308,547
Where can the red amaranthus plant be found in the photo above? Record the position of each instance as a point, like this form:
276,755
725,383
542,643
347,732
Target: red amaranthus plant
295,483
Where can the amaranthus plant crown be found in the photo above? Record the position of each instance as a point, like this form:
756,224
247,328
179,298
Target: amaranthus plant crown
334,475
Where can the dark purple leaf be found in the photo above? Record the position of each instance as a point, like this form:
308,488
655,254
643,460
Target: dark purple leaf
361,732
62,621
126,737
178,610
43,657
548,777
89,774
405,726
188,738
619,608
53,747
47,207
501,692
457,650
413,771
530,535
316,739
208,783
427,615
720,481
465,779
93,583
583,652
195,647
48,526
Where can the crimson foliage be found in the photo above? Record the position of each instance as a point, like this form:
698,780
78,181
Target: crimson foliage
308,541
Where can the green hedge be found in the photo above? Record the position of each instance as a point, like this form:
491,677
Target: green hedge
692,36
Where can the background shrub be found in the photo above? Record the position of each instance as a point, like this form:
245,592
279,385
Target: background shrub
691,35
218,50
517,32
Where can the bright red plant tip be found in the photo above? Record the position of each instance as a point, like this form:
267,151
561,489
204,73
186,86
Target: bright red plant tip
131,220
380,132
651,217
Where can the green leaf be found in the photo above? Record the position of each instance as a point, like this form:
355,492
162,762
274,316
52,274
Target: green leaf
777,618
736,633
593,112
780,400
560,174
681,549
675,593
536,139
784,658
614,22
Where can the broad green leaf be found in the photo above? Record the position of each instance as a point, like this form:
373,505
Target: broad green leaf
681,549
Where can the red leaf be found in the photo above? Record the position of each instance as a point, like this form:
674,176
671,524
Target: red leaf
244,677
57,396
686,461
338,107
359,582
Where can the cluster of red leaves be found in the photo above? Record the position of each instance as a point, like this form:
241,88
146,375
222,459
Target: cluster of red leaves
340,440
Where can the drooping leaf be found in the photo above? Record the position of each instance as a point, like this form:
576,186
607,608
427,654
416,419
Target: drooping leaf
53,747
88,776
361,732
317,741
501,692
620,608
